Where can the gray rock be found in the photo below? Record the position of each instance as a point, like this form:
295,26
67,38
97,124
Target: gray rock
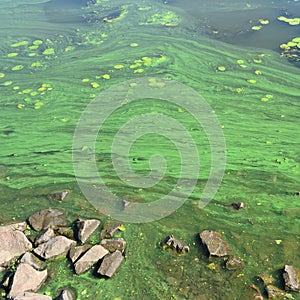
85,228
92,256
233,263
57,246
76,251
66,231
111,264
32,260
26,279
291,276
66,295
21,226
30,296
44,236
48,218
12,245
114,244
175,244
215,243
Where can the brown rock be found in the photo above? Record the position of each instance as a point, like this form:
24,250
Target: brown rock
111,264
26,279
233,263
175,244
30,296
48,218
85,228
114,244
12,245
291,276
109,230
215,243
275,293
57,246
91,257
77,251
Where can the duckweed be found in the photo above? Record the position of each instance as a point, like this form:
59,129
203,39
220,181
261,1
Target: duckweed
38,104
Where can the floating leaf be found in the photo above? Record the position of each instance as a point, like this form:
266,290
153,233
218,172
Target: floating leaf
12,54
17,68
118,67
256,27
49,51
138,71
7,83
257,72
133,44
240,61
2,75
85,80
263,21
106,76
37,42
20,106
221,68
251,80
18,44
95,85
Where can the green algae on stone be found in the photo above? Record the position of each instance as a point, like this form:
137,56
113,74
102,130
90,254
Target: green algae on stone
168,19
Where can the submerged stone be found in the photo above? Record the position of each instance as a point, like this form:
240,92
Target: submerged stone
215,243
175,244
233,263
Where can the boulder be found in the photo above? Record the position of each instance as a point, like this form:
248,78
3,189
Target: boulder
48,218
57,246
111,264
233,264
85,228
175,244
26,279
30,296
66,231
12,245
66,295
275,292
291,276
92,256
59,196
21,226
114,244
77,251
215,243
32,260
44,236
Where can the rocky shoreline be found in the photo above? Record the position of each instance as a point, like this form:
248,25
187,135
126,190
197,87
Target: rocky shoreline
27,248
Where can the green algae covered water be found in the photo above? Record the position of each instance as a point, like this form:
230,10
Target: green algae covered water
58,56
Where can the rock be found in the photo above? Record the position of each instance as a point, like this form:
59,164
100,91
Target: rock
48,218
12,245
109,230
59,196
66,231
66,295
57,246
266,279
215,243
175,244
26,279
275,293
32,260
85,228
76,251
114,244
44,236
125,203
92,256
291,276
233,264
238,205
21,226
111,264
30,296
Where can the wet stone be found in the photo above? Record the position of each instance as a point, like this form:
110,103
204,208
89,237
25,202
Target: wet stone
215,243
30,296
291,276
26,279
57,246
91,257
111,264
85,228
175,244
44,236
77,251
12,245
233,264
48,218
32,260
114,244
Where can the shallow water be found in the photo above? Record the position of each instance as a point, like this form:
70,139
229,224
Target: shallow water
43,98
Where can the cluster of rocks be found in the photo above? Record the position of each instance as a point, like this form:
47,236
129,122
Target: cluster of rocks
217,246
23,255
